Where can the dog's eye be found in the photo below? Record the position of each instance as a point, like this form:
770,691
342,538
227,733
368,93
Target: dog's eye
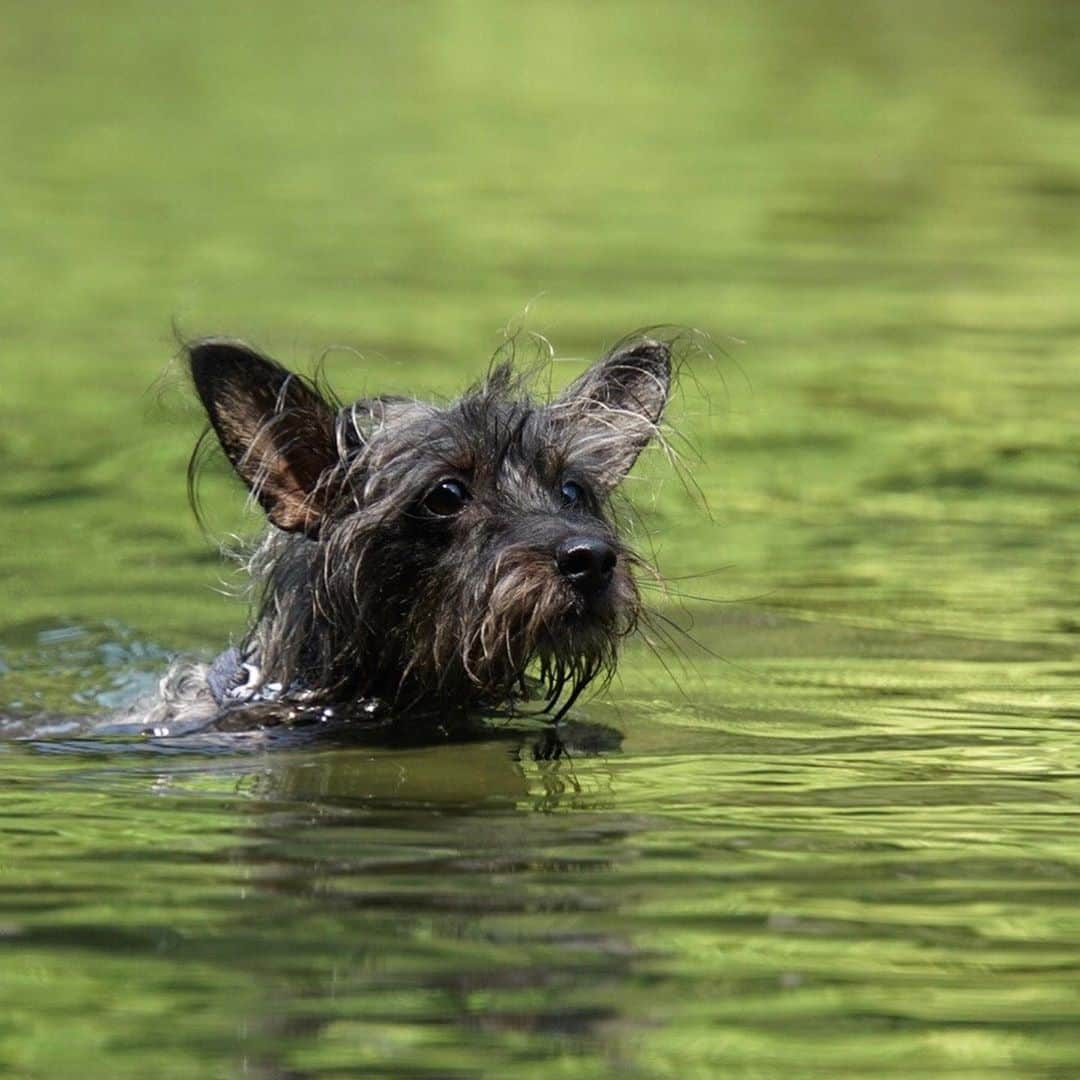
573,494
446,498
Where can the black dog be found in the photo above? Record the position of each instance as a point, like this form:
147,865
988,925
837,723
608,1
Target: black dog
434,559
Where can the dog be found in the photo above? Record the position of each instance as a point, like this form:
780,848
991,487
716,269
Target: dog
424,560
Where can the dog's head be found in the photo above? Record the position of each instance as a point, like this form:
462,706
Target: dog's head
439,556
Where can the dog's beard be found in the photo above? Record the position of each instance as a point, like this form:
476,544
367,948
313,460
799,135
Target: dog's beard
524,631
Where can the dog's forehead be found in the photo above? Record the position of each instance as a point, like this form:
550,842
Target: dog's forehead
476,434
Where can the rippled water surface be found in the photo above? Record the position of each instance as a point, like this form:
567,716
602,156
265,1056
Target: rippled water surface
831,830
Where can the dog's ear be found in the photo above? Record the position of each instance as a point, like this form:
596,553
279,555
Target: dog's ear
274,427
613,410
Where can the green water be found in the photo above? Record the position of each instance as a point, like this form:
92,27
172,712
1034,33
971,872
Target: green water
837,837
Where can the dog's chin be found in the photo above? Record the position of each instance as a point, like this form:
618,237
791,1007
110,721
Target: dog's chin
556,640
581,634
596,614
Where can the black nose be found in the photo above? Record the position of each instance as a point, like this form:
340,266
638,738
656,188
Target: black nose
586,563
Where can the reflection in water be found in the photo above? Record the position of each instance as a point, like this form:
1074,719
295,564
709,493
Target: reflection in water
487,928
663,882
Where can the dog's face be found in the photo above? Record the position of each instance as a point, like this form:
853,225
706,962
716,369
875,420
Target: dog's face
443,552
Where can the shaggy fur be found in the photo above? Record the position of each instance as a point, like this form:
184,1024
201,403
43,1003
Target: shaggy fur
437,559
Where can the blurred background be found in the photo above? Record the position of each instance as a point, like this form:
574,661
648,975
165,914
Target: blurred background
872,211
880,203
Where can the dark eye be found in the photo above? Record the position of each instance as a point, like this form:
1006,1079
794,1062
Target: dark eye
446,498
573,494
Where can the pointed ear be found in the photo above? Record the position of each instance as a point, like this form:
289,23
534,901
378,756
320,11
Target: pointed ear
277,431
613,411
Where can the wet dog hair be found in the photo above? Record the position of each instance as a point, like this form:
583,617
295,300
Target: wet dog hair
435,558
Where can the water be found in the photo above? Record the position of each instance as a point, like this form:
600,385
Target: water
834,834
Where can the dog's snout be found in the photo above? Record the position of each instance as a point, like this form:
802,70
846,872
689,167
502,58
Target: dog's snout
586,563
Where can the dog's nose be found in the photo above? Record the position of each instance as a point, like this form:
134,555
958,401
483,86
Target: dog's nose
586,563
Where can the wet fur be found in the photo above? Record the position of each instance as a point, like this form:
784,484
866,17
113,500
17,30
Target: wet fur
364,594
